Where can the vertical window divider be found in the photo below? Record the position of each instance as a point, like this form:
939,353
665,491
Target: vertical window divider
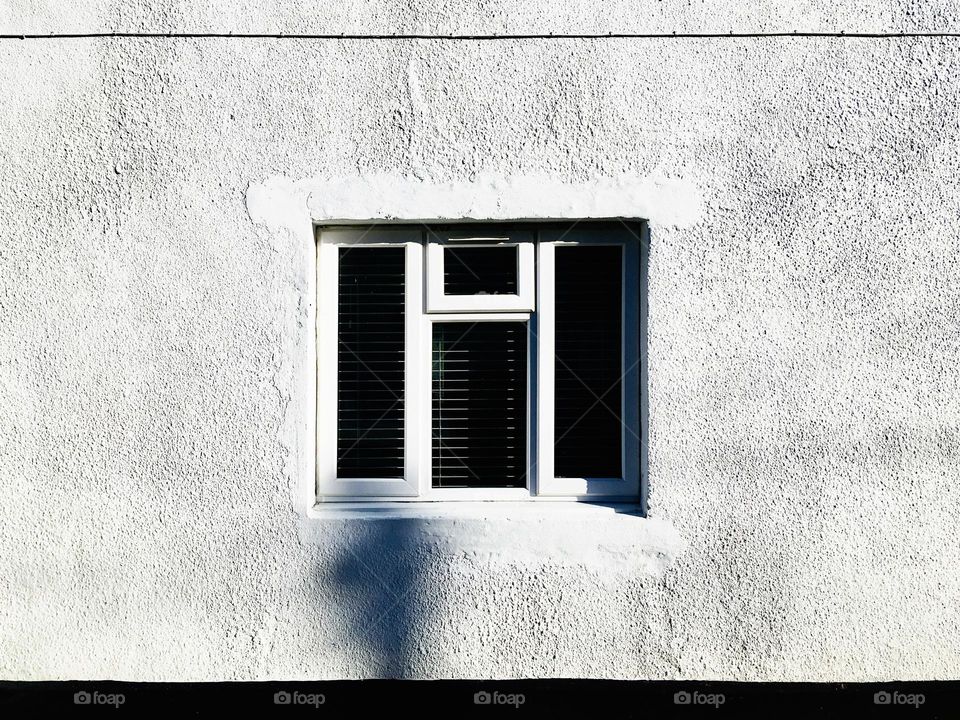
546,323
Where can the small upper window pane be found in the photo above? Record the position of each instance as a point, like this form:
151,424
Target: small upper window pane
480,270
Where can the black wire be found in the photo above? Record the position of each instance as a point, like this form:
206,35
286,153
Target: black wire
477,37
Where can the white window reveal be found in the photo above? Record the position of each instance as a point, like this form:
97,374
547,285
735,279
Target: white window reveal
495,362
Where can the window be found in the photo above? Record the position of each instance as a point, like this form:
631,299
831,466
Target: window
473,271
494,362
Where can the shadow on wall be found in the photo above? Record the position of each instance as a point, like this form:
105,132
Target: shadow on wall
380,570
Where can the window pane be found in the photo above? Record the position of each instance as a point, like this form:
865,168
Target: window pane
370,362
480,271
479,404
587,422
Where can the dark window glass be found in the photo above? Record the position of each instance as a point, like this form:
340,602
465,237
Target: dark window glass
587,422
479,404
480,270
370,362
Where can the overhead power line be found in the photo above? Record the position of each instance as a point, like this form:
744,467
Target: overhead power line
474,37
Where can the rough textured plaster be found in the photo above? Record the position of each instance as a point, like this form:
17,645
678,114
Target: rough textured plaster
610,545
470,17
154,343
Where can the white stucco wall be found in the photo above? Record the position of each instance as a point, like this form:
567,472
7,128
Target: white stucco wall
804,340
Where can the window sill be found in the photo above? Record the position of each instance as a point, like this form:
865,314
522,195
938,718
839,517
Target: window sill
610,537
539,510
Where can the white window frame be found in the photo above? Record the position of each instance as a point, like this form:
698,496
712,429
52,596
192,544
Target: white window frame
628,485
416,484
329,244
427,491
439,301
